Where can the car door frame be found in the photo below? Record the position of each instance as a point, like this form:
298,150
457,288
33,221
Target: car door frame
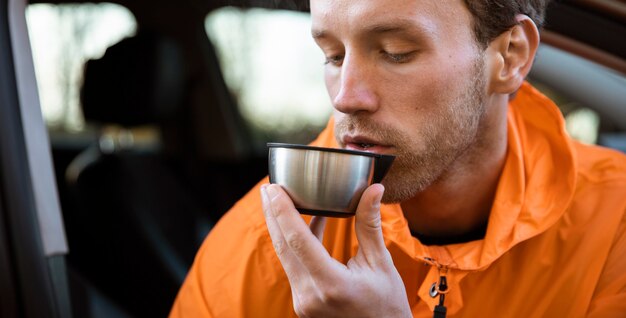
33,276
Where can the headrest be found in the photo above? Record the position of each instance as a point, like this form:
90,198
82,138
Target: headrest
138,81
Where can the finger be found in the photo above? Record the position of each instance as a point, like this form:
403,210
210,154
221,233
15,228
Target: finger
298,237
293,267
317,225
369,225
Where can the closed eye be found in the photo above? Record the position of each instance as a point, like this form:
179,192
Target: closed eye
398,58
334,60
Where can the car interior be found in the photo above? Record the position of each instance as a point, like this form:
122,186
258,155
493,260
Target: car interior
163,138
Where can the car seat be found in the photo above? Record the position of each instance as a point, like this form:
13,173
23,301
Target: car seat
136,224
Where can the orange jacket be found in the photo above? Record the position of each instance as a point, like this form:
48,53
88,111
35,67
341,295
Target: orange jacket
555,245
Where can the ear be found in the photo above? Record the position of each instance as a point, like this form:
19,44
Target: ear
511,55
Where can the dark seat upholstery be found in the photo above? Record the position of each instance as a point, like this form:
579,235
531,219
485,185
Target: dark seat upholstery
136,224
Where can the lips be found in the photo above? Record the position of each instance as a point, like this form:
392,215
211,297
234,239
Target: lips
364,143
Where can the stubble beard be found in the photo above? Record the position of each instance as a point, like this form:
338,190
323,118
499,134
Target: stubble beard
443,140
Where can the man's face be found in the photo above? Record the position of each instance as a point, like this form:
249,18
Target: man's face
405,78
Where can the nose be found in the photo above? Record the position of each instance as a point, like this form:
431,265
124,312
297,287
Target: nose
355,90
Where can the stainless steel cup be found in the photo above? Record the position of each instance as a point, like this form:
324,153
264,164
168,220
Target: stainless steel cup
325,181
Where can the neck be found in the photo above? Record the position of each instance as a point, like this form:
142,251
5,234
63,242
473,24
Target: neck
458,204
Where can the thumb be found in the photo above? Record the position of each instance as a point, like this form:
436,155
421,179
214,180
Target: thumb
369,225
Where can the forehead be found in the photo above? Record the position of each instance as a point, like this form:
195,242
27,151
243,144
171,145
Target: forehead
447,17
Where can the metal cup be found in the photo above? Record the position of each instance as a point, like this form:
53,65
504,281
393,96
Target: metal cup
325,181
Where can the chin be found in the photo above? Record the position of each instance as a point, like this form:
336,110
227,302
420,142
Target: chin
401,185
400,191
391,196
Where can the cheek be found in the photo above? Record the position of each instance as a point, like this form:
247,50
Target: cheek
431,86
419,90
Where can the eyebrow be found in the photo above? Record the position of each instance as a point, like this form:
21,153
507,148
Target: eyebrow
396,26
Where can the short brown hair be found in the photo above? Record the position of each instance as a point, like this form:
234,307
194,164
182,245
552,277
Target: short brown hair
492,17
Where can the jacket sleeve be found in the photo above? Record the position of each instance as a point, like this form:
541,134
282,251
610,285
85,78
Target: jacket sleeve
236,272
609,298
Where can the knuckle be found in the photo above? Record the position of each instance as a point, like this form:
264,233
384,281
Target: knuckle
374,222
308,307
333,296
279,246
371,221
295,243
280,205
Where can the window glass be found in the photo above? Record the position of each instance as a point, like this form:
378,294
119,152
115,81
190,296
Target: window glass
274,69
63,37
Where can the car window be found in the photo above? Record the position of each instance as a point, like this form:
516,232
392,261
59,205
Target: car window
591,96
581,122
274,69
63,37
270,64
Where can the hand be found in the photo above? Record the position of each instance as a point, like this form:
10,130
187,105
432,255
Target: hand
368,286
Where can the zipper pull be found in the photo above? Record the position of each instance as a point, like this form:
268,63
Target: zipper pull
442,290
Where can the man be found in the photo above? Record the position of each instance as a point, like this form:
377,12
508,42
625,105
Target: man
490,209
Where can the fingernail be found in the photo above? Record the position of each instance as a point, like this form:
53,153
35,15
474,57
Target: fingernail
271,191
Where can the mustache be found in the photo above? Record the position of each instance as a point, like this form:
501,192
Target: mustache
367,127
